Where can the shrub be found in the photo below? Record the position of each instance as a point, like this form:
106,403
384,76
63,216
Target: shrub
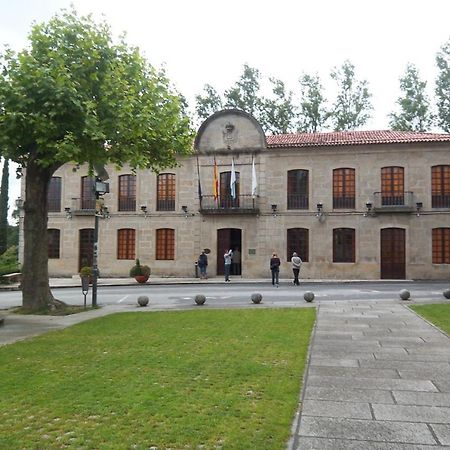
139,270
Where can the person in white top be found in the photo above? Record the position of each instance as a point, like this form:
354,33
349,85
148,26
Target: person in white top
296,264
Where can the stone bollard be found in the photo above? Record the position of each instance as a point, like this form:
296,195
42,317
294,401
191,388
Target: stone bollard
200,299
404,294
446,293
256,298
142,300
308,296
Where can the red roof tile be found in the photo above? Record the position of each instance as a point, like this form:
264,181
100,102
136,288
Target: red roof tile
339,138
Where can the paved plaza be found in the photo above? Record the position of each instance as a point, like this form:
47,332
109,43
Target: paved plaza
378,378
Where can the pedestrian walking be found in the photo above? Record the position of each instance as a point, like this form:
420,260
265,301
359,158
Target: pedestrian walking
202,265
275,269
228,256
296,265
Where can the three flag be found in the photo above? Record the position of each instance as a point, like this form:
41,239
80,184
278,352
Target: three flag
215,182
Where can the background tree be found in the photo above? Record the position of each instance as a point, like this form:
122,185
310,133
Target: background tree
4,197
352,106
244,95
414,105
443,87
208,103
313,113
277,113
76,96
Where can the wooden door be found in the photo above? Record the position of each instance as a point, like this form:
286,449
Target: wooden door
86,251
393,258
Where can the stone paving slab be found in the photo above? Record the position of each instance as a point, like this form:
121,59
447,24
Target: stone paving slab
412,413
346,444
324,408
442,433
422,398
368,430
352,372
349,394
328,362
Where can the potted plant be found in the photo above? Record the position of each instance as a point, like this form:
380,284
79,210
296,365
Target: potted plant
141,273
86,272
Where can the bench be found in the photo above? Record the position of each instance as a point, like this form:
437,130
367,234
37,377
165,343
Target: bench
10,278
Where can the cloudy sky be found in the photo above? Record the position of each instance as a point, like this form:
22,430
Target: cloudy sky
207,41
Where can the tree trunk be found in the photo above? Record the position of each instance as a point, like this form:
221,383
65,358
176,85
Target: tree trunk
4,196
36,293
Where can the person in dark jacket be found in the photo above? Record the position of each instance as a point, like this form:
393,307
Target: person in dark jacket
275,269
202,265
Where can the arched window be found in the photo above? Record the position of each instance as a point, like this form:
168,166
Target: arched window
53,236
165,192
54,195
298,241
441,245
392,186
87,193
126,243
440,186
127,193
165,243
297,189
344,245
344,188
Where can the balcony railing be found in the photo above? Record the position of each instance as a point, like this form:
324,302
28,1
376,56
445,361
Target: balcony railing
242,204
127,203
165,205
395,202
297,201
343,202
440,201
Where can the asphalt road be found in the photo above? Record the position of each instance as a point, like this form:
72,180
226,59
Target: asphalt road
234,295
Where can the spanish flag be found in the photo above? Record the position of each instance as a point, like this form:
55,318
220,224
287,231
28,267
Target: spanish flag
215,182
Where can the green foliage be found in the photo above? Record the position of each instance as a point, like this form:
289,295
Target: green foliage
13,235
414,105
352,106
139,270
86,271
122,381
244,95
313,113
4,197
207,104
74,90
443,87
9,261
277,113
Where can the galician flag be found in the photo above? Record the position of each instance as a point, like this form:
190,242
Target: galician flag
254,180
233,181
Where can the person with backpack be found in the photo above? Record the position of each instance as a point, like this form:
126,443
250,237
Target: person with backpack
296,264
202,265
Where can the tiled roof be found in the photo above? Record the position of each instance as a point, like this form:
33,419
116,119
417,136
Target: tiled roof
339,138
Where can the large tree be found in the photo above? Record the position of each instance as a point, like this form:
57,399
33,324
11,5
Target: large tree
277,112
75,95
414,114
352,106
443,87
313,113
4,197
208,103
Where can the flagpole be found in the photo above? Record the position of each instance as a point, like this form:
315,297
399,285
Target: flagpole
200,196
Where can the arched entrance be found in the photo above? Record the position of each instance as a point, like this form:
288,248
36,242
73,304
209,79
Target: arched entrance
393,258
229,238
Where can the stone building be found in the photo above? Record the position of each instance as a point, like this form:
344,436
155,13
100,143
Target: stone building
354,205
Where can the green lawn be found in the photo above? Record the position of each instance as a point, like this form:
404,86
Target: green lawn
179,380
439,314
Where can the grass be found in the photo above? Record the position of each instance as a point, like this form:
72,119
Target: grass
178,380
438,314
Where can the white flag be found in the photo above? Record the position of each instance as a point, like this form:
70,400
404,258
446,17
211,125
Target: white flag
254,180
233,181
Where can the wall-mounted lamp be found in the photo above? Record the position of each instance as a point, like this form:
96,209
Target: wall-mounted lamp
144,210
19,203
419,206
319,213
274,210
369,209
184,208
68,212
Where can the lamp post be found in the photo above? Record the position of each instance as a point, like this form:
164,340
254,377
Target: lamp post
100,188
